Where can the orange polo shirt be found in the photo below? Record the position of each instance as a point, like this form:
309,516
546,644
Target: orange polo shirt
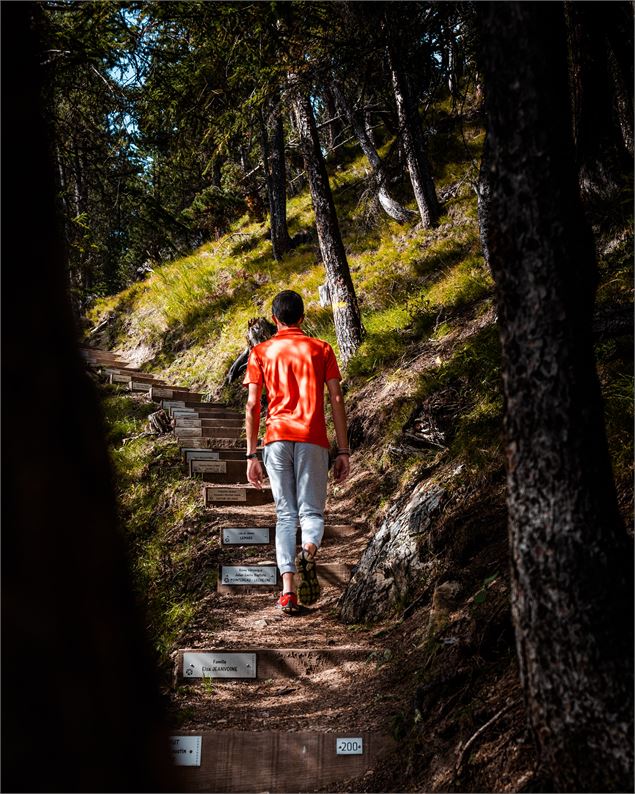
294,369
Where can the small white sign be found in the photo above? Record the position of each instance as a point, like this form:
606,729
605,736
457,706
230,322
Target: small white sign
227,494
245,535
210,466
219,664
349,746
236,575
186,750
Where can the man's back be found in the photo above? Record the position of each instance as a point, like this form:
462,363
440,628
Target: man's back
294,369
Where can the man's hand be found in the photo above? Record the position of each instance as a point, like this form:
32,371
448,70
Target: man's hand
255,474
341,468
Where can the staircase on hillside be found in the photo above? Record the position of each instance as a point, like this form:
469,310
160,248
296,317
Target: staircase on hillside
275,703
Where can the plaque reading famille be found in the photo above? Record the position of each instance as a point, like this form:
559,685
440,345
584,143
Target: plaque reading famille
212,664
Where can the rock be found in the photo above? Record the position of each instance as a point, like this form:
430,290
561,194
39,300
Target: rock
391,567
260,624
443,602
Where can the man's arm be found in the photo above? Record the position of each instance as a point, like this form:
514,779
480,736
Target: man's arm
255,474
341,467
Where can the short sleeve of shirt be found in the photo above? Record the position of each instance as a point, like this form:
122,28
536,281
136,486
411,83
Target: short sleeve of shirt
331,370
254,370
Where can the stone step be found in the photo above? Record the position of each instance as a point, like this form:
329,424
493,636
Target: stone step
330,574
257,663
274,761
218,431
235,535
160,393
208,421
222,495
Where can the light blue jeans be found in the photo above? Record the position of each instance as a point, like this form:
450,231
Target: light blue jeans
298,474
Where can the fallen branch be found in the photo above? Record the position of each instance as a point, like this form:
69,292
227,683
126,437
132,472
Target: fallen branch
471,741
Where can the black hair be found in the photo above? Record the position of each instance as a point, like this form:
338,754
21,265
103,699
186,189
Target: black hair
288,307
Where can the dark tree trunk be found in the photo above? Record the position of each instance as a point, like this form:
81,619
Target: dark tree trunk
572,590
272,133
334,128
81,704
619,28
389,205
346,314
413,143
602,164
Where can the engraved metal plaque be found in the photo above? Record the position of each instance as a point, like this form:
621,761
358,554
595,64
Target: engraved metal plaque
227,494
187,422
184,413
120,378
349,746
199,454
210,466
169,404
219,664
166,393
246,535
236,575
186,750
187,431
140,386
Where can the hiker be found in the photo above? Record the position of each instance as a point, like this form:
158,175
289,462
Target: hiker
294,368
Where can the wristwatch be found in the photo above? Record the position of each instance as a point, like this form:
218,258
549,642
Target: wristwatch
252,456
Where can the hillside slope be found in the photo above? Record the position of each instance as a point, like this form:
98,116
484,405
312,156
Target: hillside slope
425,405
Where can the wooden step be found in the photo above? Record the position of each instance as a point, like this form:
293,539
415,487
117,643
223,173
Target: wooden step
168,405
225,471
160,393
257,663
220,431
236,535
204,442
333,574
275,761
205,413
235,453
208,421
223,495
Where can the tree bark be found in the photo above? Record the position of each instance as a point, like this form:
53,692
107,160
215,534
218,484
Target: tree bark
276,179
413,143
572,589
619,28
68,609
346,314
389,205
602,164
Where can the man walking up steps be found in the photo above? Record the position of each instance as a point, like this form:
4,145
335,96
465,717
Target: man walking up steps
294,369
